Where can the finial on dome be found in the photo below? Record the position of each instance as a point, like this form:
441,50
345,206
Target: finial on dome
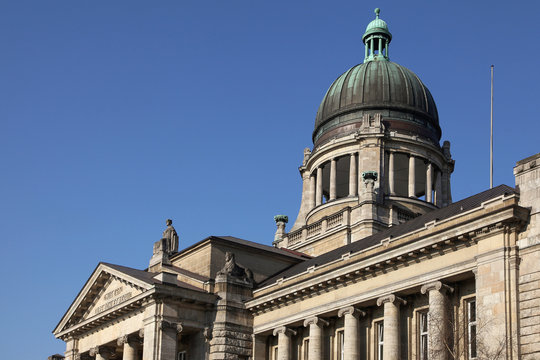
377,12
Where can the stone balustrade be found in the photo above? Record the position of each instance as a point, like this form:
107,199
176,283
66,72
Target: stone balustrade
319,228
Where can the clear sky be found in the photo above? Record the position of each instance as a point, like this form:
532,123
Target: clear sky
115,115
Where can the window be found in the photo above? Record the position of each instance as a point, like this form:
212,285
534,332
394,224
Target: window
181,356
274,353
379,328
471,328
340,345
423,335
305,349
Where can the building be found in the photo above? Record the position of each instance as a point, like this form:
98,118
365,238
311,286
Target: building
379,264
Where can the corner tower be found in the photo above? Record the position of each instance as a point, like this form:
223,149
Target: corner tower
376,159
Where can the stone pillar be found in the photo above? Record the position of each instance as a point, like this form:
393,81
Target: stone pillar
102,352
391,183
312,193
333,179
160,336
353,176
438,324
129,346
315,351
71,349
391,349
284,342
318,191
438,189
259,347
351,331
429,185
412,176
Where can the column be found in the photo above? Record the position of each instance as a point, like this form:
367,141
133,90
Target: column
391,303
353,176
380,46
284,342
351,331
429,185
318,191
372,42
438,320
438,189
130,349
160,340
312,190
333,179
102,352
391,184
315,351
412,176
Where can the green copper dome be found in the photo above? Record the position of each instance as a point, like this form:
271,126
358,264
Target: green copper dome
377,86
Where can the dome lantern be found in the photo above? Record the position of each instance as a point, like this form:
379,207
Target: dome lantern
376,39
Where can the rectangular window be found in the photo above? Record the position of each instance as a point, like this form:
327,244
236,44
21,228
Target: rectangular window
340,345
423,335
471,328
306,349
379,328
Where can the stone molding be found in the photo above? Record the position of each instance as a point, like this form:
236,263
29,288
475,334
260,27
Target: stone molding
438,286
315,320
351,310
391,299
284,330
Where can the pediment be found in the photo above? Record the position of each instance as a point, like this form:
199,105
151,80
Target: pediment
108,288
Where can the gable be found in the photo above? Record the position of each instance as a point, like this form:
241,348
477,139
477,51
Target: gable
107,288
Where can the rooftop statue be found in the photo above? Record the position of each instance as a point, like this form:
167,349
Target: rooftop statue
172,238
231,268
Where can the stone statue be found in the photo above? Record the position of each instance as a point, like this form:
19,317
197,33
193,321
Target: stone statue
231,268
172,238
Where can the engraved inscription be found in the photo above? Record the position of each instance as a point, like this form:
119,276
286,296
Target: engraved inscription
115,300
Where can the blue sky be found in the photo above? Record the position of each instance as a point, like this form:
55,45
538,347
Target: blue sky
117,115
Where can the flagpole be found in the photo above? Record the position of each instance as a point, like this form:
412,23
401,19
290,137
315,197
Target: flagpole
491,136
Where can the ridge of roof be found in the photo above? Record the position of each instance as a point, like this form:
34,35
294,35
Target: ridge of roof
466,204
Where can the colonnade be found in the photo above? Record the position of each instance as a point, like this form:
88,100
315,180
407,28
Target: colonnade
438,328
432,181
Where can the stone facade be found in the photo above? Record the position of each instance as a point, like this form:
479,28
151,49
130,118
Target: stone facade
379,264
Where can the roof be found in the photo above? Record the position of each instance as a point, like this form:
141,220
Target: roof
295,255
395,231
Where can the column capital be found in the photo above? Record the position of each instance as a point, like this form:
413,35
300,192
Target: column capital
391,299
169,325
83,356
284,330
436,285
316,321
131,339
351,310
104,351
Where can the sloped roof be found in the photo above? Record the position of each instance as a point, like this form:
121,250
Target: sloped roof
395,231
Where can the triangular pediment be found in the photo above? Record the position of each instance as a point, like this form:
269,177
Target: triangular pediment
109,287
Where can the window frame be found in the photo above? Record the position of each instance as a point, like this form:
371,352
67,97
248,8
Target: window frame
471,335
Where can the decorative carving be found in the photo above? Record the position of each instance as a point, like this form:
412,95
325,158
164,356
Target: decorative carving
307,155
284,330
281,218
390,299
169,325
315,320
172,238
104,351
438,286
351,310
369,175
231,268
446,150
141,333
207,332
